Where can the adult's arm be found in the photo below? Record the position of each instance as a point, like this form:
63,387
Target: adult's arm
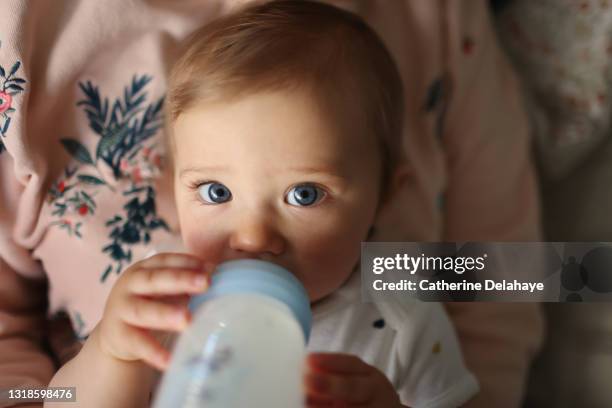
491,195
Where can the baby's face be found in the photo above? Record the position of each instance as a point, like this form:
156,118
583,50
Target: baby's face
268,176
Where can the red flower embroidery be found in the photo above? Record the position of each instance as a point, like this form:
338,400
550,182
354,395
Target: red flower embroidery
468,45
83,209
5,102
157,160
136,175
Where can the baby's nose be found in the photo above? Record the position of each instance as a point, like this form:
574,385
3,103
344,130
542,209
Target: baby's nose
256,236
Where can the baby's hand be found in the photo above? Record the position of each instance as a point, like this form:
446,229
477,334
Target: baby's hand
151,295
344,380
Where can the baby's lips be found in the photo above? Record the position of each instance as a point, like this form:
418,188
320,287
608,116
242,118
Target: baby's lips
208,267
201,281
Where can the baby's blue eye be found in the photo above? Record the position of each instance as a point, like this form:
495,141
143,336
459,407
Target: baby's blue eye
304,195
214,193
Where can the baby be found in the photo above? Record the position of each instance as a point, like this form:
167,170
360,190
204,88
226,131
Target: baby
285,124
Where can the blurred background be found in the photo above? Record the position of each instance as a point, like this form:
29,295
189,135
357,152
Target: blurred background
563,51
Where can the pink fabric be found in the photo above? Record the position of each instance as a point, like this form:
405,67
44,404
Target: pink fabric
563,50
469,151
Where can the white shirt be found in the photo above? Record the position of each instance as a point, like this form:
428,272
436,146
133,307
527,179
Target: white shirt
412,342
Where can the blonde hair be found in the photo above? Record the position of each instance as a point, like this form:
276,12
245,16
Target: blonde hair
290,44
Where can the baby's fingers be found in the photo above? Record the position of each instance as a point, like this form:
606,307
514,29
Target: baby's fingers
148,349
338,363
346,378
154,314
168,281
354,389
172,260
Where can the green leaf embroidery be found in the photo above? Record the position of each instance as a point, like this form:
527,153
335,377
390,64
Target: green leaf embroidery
88,179
78,151
109,141
15,68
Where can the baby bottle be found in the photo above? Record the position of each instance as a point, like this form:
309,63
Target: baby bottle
246,344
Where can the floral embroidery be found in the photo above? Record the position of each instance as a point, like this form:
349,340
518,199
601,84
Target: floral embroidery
79,327
436,102
10,85
122,128
79,202
133,228
468,45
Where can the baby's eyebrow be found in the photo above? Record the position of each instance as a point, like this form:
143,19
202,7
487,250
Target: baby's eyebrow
328,171
202,169
320,170
312,169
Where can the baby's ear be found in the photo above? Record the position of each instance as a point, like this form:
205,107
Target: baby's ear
399,178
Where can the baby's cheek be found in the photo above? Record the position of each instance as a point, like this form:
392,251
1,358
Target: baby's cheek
327,259
337,259
343,237
203,243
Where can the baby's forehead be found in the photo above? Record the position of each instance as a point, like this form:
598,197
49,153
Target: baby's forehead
277,117
269,134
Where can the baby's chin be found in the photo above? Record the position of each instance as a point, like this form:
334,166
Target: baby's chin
319,290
